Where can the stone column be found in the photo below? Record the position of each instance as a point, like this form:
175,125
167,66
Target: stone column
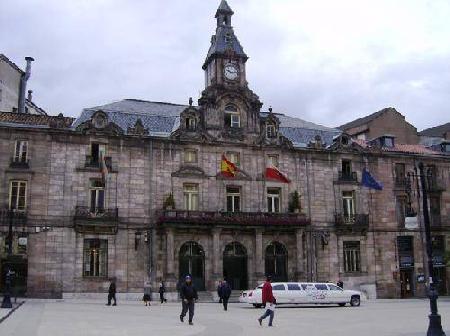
216,255
300,262
170,252
259,257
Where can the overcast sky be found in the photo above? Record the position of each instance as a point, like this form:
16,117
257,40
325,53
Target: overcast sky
325,61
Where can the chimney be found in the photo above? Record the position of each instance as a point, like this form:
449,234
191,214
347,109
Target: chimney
30,95
23,84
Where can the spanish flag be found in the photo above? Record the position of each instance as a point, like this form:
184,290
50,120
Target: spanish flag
227,168
273,173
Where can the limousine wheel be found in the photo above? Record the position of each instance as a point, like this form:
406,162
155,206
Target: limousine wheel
355,301
342,304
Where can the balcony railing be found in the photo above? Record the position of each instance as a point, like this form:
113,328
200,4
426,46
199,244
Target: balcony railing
18,217
89,220
357,220
348,176
21,164
231,218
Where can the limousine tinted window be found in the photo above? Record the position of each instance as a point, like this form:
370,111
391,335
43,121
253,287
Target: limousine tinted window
321,287
308,286
334,287
278,287
293,287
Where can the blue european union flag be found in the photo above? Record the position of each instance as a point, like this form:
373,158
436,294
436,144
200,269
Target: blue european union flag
369,182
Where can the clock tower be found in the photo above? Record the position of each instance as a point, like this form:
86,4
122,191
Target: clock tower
230,110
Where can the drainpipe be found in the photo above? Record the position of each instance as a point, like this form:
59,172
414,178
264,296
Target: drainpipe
23,84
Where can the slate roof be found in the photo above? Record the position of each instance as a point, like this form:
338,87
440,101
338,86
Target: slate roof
161,119
26,119
437,131
364,120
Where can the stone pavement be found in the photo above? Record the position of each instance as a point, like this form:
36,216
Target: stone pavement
86,318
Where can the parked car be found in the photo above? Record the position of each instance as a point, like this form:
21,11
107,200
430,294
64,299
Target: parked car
304,293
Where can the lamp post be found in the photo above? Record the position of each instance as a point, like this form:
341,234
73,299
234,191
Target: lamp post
434,326
6,303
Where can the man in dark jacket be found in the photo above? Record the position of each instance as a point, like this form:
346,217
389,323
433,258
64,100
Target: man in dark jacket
188,295
268,298
162,290
219,291
112,293
225,294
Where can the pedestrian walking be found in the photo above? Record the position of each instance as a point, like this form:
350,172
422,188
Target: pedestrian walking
269,301
188,295
219,291
340,284
112,293
162,290
146,299
226,293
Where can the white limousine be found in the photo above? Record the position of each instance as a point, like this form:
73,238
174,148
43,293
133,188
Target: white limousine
304,293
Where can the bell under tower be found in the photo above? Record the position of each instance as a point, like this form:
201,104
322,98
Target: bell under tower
230,111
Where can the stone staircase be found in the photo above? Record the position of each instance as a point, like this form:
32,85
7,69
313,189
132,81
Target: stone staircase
210,297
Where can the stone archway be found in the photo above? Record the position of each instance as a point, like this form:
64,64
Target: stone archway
235,266
192,262
276,259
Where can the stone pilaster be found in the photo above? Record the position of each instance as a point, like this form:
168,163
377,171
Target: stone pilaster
259,258
216,254
300,262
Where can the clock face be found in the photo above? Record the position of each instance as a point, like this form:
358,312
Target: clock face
231,71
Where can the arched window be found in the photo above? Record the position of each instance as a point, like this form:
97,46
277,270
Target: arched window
232,116
276,261
192,262
191,123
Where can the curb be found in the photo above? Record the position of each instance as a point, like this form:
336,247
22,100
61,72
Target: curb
12,311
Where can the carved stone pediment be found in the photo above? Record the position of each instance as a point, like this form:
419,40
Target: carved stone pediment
99,123
189,171
138,129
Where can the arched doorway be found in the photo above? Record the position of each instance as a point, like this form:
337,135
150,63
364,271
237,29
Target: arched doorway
276,262
235,265
192,262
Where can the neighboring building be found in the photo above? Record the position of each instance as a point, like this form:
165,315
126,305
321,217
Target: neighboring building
437,138
149,191
388,121
13,83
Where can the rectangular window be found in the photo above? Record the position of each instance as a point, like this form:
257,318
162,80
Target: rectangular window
273,160
271,131
352,256
405,247
435,210
346,168
97,196
234,157
348,206
21,151
191,124
233,199
95,153
95,258
18,195
401,206
400,178
190,156
273,199
190,196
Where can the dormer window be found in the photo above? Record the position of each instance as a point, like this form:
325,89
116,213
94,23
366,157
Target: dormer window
191,124
387,141
271,131
232,117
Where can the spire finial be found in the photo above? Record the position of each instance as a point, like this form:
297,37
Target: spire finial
190,101
270,109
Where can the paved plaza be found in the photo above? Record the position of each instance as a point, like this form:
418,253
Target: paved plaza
86,318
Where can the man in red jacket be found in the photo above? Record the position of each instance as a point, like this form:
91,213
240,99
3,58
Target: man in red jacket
269,301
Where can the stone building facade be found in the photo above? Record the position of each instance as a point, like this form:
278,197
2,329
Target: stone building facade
147,192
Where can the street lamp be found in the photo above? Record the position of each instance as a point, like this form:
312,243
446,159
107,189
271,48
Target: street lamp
6,303
434,326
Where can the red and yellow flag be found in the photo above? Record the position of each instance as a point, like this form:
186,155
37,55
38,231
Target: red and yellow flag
227,167
273,173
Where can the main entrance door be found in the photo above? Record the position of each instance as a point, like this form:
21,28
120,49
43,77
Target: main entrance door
192,262
406,283
235,266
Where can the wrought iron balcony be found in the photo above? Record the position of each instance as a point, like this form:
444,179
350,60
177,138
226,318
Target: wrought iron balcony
21,164
231,218
348,176
353,222
18,217
98,220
